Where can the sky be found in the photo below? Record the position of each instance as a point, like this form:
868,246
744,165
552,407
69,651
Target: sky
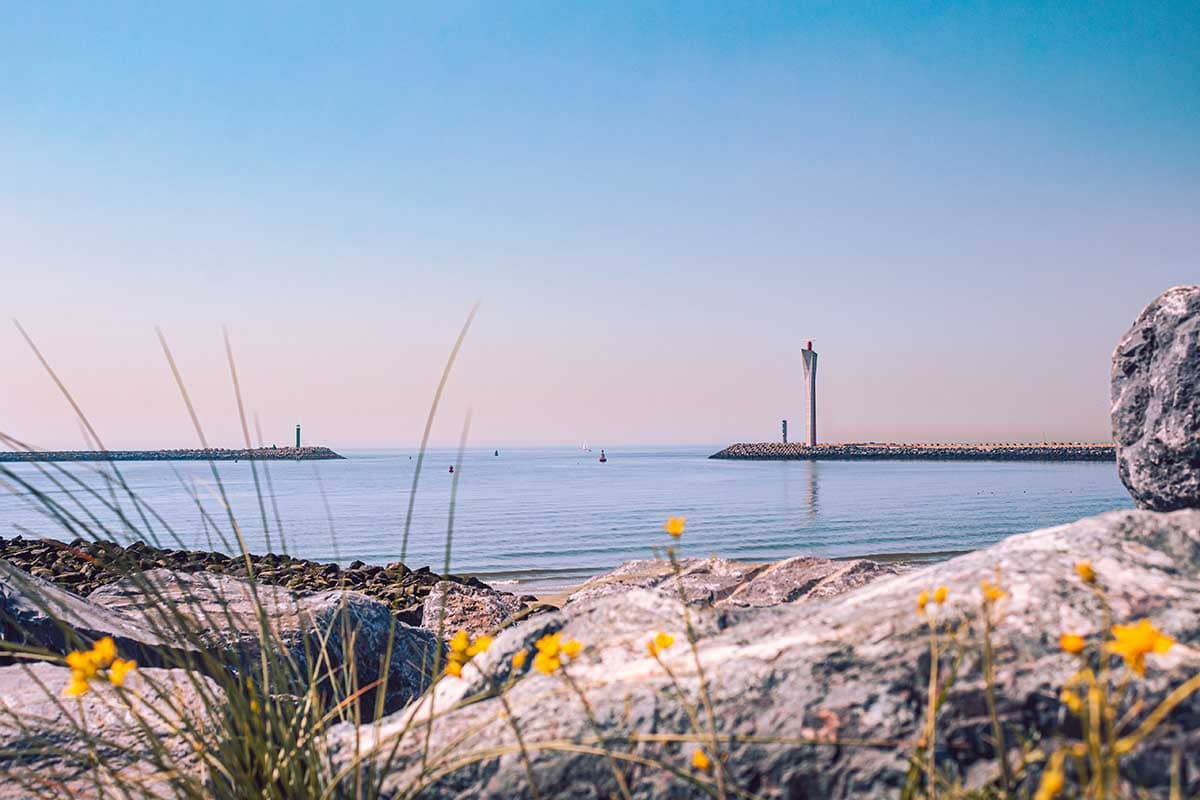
964,205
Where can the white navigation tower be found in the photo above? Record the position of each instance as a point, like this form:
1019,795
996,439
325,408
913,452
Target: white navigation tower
810,378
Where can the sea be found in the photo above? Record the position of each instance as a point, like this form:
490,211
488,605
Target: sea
544,519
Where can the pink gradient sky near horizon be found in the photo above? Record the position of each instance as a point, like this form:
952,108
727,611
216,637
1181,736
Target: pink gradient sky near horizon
646,380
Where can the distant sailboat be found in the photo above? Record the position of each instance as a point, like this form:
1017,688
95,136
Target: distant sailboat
585,447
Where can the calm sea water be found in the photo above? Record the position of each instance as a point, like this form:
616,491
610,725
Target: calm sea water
549,517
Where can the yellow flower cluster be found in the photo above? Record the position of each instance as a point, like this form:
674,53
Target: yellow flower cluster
551,649
462,650
939,596
1131,642
660,642
701,761
86,665
675,526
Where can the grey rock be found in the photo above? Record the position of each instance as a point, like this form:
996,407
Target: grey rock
476,609
222,615
1156,402
41,749
722,582
35,613
804,578
703,581
848,667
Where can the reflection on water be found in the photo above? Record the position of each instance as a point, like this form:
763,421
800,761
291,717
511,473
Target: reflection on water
811,498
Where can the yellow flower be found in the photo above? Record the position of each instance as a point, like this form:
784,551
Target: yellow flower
939,595
119,669
518,659
922,601
77,686
1134,642
462,650
1085,572
991,591
1071,642
460,642
104,651
660,642
82,663
545,663
675,525
1052,782
551,650
701,761
86,665
549,644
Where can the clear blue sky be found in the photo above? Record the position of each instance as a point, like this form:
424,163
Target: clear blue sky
655,202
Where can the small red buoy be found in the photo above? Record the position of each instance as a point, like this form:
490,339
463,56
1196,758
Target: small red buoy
452,468
603,458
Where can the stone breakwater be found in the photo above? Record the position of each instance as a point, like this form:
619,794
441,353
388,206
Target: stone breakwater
779,451
84,566
211,454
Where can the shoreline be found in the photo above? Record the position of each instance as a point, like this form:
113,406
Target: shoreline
894,451
210,454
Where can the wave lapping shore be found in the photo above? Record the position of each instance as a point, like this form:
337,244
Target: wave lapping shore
210,454
781,451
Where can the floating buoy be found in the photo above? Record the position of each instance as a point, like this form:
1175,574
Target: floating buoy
452,468
497,453
603,458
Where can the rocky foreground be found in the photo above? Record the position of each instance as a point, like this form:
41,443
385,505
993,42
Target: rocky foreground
843,667
804,649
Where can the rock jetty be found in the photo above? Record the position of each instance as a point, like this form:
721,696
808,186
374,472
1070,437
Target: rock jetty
211,454
83,566
892,451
